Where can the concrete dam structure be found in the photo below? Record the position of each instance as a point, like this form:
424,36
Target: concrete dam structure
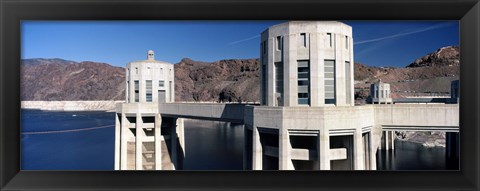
307,119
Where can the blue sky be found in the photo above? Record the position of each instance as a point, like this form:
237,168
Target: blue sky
376,43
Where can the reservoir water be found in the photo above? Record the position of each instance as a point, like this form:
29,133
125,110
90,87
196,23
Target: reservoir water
85,141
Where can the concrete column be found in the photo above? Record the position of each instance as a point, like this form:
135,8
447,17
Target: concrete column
138,142
257,150
324,149
358,151
387,140
181,134
284,150
340,77
173,142
352,69
123,142
181,142
392,140
373,151
290,71
158,142
117,142
270,71
315,86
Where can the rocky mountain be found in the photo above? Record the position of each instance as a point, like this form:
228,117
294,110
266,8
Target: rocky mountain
39,61
62,80
232,80
429,75
445,56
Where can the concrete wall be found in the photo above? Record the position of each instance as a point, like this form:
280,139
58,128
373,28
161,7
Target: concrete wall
71,105
209,111
418,115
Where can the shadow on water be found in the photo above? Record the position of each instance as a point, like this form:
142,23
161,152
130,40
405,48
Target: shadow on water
211,145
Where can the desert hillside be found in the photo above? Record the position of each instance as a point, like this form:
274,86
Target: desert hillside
230,80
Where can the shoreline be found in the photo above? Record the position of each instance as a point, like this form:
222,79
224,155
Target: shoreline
426,144
108,105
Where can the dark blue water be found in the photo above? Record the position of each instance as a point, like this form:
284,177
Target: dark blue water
81,150
208,145
213,146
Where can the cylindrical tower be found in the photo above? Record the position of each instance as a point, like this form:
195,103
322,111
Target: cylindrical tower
150,81
307,63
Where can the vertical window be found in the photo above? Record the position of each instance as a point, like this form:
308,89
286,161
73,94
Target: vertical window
136,70
329,73
148,70
161,83
149,90
303,39
279,83
329,39
346,42
303,76
128,92
170,90
279,43
136,91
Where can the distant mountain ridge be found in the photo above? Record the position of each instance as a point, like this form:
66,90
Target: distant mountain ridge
62,80
229,80
445,56
38,61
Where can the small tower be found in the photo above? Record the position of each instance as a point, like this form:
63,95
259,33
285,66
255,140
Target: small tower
149,81
151,55
139,142
380,93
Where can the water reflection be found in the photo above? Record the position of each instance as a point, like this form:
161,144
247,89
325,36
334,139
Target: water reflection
413,156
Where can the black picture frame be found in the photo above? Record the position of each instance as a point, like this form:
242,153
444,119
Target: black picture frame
14,11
